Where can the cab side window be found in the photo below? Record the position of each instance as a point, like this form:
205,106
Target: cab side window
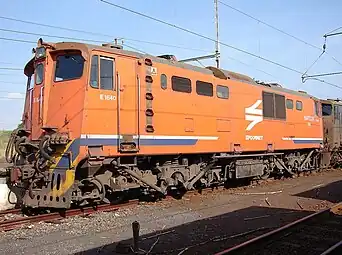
326,109
163,81
289,104
222,91
273,106
102,73
299,105
106,73
318,110
338,114
39,74
94,72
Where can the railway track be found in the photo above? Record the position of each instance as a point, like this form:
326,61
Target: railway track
319,233
7,225
10,211
10,224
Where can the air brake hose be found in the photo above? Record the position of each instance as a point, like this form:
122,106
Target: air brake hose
8,198
42,145
17,144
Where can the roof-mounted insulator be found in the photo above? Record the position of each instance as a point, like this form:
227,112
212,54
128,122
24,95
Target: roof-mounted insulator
302,91
168,57
112,46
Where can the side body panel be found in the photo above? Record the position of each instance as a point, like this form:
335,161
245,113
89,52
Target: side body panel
192,123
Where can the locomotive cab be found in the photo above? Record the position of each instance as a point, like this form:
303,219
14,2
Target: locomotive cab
53,111
332,123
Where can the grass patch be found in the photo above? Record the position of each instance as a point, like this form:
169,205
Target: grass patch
4,136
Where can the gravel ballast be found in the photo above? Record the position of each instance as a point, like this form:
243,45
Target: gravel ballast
196,224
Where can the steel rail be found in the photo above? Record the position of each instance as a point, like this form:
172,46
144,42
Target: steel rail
16,223
12,211
333,248
263,237
19,210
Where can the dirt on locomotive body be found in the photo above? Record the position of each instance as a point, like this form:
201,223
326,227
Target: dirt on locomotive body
101,121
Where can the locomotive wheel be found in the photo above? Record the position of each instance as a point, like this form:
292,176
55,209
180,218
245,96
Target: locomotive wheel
115,197
266,174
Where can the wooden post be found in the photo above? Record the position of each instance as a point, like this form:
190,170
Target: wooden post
136,228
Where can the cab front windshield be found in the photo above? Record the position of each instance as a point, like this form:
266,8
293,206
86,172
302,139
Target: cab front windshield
68,67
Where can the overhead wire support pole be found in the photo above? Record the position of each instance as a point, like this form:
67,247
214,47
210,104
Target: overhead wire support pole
200,35
217,50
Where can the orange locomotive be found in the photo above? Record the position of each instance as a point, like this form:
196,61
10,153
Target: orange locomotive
100,121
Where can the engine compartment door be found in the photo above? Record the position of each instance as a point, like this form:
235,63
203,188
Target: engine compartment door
128,104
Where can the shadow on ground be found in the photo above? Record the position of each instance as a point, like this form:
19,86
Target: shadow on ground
331,192
206,236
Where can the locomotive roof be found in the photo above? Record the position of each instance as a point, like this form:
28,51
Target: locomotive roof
220,73
332,101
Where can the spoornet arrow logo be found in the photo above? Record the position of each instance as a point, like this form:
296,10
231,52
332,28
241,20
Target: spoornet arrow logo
256,117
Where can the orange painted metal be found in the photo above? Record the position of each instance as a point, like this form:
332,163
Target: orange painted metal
212,124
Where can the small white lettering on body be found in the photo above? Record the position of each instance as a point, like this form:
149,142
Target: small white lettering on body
107,97
254,137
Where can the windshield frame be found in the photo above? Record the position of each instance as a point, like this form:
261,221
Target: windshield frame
38,65
64,53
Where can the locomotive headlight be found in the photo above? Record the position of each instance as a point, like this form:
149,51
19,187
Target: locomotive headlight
40,52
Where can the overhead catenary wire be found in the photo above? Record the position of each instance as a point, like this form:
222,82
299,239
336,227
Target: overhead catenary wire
106,35
7,74
33,42
11,82
11,68
269,25
260,70
329,83
102,35
208,38
134,48
47,35
6,91
200,35
7,63
16,40
12,98
51,26
280,30
25,41
307,70
167,45
57,36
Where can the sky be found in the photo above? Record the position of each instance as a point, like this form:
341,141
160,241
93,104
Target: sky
307,20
